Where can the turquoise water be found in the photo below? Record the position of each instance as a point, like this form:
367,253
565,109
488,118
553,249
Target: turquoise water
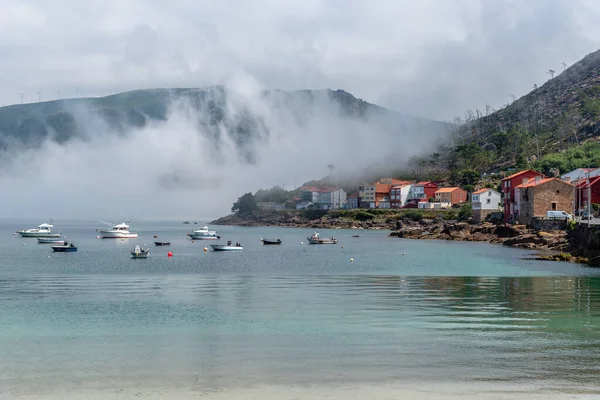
405,319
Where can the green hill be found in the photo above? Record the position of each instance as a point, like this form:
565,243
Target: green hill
555,126
213,110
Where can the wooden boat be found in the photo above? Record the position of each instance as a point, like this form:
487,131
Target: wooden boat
227,247
52,240
162,243
267,241
316,239
140,252
64,248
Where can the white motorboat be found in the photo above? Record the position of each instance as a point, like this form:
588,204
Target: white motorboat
227,247
118,231
43,230
316,239
204,234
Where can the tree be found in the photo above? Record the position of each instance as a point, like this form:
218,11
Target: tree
245,204
466,212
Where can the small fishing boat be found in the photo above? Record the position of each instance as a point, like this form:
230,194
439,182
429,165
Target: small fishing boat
315,239
140,252
203,234
118,231
267,241
43,230
227,247
64,248
52,240
162,243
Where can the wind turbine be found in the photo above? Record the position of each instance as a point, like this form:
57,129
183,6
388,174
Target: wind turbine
77,91
22,93
551,72
39,96
564,64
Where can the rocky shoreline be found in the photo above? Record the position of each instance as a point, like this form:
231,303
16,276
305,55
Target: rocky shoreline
552,246
557,245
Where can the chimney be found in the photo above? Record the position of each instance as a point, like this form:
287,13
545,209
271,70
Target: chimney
538,179
567,179
525,181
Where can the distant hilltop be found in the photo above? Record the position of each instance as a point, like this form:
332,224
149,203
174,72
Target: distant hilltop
215,111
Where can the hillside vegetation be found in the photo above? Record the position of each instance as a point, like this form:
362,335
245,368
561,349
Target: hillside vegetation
555,126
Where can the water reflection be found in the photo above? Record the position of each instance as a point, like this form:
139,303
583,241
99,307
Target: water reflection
237,329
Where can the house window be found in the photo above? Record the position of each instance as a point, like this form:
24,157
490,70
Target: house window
489,194
489,201
553,206
558,192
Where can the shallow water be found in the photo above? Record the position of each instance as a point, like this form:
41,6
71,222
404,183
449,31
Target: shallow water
444,320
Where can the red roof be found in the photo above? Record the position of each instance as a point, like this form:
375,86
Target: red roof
448,189
425,183
534,182
522,172
382,188
312,189
482,190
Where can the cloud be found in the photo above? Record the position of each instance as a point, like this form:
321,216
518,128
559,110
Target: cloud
180,168
428,58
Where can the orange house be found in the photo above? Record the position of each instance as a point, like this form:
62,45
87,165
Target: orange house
452,195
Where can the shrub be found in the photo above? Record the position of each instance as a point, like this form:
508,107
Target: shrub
450,216
363,216
313,214
413,215
466,212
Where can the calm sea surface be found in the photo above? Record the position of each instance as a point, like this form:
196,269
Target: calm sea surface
404,319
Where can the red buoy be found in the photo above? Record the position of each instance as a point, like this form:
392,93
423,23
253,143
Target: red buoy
170,254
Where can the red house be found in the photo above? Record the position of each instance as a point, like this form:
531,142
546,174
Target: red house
508,191
429,188
583,191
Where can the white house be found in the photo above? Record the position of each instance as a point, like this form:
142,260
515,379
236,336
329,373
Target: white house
399,195
333,198
485,201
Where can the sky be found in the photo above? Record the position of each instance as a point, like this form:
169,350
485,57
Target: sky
428,58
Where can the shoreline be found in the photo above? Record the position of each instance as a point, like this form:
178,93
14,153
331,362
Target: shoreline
555,245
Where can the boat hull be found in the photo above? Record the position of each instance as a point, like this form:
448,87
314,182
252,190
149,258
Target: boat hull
162,243
140,255
39,234
321,241
270,242
51,241
64,249
117,235
222,247
203,237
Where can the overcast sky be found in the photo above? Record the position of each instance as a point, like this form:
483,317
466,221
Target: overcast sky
432,58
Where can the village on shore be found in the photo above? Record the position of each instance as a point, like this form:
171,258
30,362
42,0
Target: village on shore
530,210
525,197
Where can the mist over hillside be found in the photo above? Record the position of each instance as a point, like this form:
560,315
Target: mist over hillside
189,152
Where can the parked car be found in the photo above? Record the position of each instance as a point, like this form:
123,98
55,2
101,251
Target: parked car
558,215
